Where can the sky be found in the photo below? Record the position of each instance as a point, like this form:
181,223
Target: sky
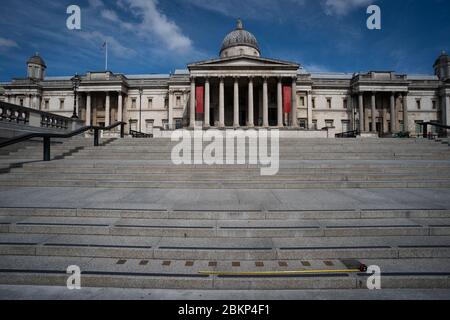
159,36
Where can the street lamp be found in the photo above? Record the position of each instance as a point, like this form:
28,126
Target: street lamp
76,84
140,108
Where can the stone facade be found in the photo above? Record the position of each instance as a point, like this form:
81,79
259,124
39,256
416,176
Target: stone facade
242,89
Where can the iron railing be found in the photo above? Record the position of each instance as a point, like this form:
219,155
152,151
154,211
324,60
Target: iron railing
425,125
48,136
137,134
348,134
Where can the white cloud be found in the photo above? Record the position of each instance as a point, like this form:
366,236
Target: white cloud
95,3
156,24
109,15
343,7
7,43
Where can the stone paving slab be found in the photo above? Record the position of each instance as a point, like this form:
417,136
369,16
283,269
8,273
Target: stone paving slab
204,199
14,292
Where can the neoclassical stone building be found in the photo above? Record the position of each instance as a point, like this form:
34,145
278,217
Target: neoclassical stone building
243,89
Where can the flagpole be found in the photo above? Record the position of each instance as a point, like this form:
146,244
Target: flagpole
106,57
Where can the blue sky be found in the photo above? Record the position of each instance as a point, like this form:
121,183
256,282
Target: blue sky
159,36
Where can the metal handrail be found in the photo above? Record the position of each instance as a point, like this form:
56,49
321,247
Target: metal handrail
48,136
426,124
138,134
348,134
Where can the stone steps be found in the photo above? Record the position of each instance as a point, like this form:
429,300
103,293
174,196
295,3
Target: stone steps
235,229
220,184
234,215
119,245
136,273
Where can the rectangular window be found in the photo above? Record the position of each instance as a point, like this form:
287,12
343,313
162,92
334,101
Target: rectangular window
150,103
345,126
418,104
329,123
178,103
166,103
402,126
133,103
301,102
133,125
434,105
314,124
21,102
345,103
313,103
47,104
419,127
178,123
149,126
329,103
302,123
61,104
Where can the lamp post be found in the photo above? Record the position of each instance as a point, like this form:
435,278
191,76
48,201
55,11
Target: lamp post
140,108
76,84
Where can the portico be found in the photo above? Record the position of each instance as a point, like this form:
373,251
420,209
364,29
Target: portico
243,91
381,102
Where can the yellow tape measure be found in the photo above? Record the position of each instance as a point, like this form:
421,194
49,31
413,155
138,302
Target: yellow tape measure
276,273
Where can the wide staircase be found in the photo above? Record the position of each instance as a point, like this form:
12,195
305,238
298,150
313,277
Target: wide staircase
130,218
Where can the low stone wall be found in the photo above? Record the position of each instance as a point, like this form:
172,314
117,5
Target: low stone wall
284,133
17,120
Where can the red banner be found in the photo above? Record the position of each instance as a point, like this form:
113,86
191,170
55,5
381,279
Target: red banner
287,99
199,98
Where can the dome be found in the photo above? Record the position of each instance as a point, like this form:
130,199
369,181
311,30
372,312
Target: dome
242,39
36,59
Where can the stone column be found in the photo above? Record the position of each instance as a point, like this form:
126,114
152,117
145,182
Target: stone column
236,103
207,104
120,107
294,121
310,110
393,115
447,112
192,104
35,104
251,117
405,113
222,103
107,110
361,112
88,109
374,118
280,103
265,103
170,110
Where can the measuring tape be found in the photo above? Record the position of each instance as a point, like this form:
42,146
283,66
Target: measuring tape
362,268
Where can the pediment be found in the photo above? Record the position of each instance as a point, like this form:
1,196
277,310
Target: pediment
243,62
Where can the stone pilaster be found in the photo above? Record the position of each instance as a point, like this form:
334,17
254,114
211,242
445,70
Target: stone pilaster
192,104
207,104
265,103
236,103
250,103
361,112
280,103
222,103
